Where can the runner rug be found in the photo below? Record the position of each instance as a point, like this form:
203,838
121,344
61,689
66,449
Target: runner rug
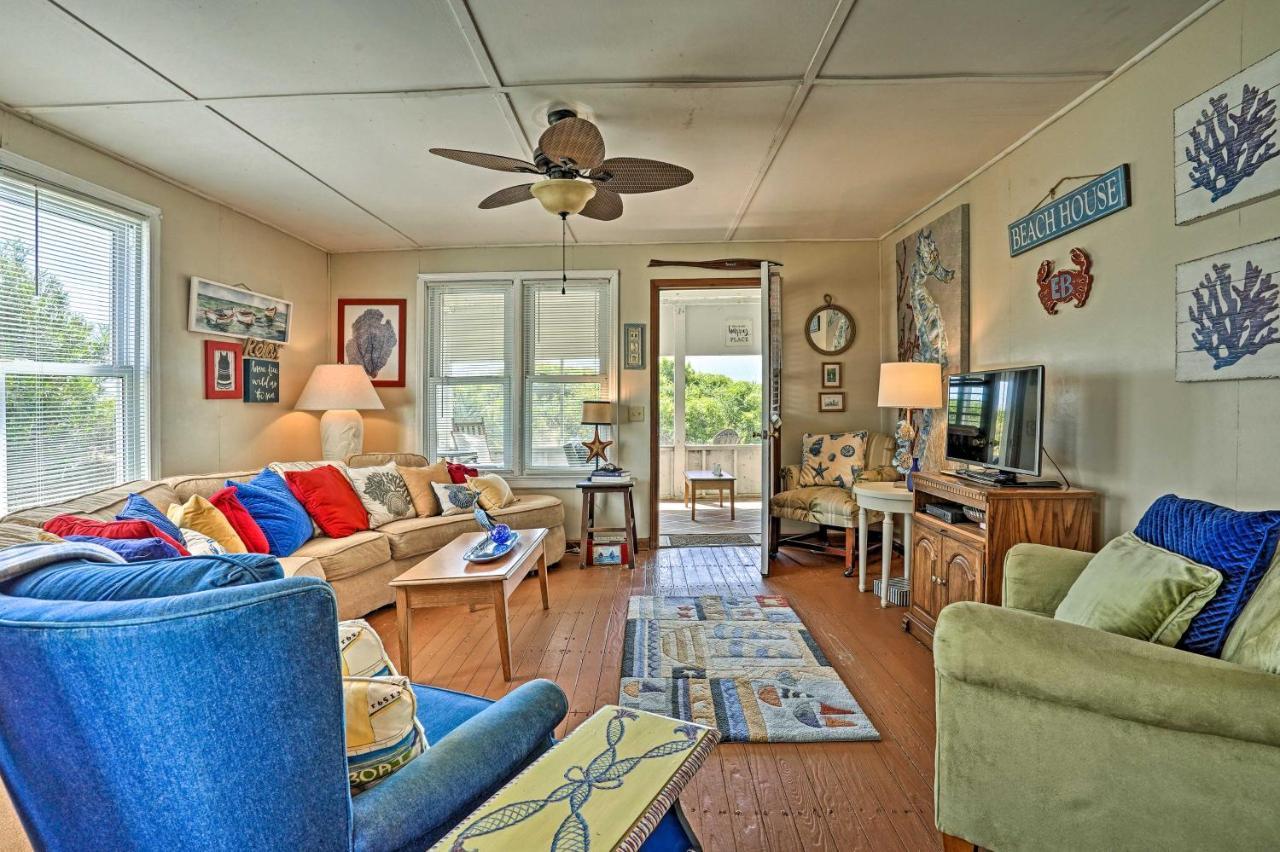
745,665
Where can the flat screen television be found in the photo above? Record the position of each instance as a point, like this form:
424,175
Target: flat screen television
994,419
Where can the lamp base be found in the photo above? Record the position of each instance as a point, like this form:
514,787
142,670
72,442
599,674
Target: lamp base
341,433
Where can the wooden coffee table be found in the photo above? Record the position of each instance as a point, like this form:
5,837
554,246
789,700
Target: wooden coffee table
706,480
444,578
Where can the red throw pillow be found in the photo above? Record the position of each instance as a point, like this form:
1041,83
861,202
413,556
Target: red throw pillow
226,502
458,473
329,499
65,525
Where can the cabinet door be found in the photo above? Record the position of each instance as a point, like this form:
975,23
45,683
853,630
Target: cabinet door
960,572
925,562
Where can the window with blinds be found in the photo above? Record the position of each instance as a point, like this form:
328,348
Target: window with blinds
509,362
73,343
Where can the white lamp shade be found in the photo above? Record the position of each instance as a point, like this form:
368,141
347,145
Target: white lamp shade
338,386
910,384
597,412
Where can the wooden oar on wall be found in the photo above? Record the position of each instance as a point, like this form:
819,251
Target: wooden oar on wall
727,263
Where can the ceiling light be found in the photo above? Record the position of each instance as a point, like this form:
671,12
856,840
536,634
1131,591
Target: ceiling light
563,196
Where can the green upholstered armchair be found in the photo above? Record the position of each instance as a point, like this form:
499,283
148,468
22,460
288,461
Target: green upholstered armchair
829,505
1056,736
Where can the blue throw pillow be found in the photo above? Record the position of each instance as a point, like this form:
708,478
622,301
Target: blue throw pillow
132,549
1239,544
269,501
81,580
139,508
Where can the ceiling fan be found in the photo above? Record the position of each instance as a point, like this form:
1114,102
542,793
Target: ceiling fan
578,178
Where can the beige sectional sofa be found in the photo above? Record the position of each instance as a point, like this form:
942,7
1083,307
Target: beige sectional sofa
358,566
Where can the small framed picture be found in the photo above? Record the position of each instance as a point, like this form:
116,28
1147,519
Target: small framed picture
222,378
831,401
832,374
633,346
371,334
738,332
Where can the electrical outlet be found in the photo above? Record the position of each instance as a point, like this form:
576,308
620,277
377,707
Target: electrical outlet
635,413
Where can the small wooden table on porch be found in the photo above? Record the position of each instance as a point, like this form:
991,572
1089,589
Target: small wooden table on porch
445,578
707,480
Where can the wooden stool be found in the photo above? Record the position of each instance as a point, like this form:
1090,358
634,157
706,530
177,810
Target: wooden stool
589,491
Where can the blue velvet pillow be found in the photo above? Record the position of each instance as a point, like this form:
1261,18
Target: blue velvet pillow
139,508
1239,544
132,549
269,501
81,580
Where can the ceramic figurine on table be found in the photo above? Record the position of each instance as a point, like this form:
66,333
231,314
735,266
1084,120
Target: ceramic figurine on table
500,541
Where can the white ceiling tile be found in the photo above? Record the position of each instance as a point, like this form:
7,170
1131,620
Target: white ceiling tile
193,146
535,41
860,158
52,59
243,47
720,134
923,37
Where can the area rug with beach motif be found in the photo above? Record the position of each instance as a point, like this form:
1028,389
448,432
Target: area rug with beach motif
744,664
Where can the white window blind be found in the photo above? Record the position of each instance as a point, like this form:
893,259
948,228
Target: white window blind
567,343
470,367
73,343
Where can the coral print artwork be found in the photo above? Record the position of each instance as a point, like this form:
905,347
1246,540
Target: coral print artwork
1225,148
371,334
1228,309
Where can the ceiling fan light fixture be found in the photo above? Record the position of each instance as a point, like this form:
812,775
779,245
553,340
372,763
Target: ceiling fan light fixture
563,196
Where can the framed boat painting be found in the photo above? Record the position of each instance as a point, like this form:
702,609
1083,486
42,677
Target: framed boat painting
233,312
371,334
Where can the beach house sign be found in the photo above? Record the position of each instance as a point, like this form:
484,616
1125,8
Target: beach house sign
1100,197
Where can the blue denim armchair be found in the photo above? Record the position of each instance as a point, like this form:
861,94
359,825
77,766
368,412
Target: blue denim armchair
214,720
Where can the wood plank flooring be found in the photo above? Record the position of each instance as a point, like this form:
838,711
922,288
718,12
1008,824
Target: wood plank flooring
748,796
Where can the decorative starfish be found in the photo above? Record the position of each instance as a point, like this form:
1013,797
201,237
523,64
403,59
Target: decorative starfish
596,447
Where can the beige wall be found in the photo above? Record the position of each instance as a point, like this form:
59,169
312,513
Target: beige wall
1115,418
846,270
199,237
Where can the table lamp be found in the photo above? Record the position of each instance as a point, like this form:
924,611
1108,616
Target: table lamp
339,390
909,385
597,413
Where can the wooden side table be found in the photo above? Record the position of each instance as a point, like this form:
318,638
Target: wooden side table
706,480
589,491
889,498
445,578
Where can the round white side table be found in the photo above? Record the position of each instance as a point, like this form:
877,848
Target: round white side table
891,498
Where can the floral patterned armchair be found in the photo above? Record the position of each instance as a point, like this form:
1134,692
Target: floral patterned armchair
819,490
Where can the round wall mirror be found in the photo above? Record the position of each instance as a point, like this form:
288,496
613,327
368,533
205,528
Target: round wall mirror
830,329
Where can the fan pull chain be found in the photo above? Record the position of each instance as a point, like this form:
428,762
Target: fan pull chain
564,276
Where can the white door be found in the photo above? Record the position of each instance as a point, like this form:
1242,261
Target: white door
771,408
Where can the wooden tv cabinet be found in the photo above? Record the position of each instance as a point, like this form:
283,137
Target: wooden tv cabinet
963,561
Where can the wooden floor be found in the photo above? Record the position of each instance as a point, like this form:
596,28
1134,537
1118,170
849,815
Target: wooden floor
774,796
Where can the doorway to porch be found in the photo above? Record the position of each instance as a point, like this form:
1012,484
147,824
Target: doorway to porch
709,370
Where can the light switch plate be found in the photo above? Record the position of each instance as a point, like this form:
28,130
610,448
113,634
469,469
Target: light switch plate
635,413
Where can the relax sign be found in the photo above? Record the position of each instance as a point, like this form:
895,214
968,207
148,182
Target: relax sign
1100,197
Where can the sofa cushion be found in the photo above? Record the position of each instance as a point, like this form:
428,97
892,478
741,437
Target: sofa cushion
102,505
363,654
65,525
79,580
816,504
1239,544
455,499
329,499
383,493
204,484
419,480
383,731
420,536
277,512
493,491
226,502
833,459
132,549
301,566
202,516
139,508
202,545
1138,590
342,557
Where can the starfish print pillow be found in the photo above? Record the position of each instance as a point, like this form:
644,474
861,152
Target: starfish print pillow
834,460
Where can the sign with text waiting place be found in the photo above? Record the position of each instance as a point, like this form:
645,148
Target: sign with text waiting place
1100,197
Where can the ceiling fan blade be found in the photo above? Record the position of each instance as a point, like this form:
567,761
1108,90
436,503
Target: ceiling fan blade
605,206
510,195
497,162
573,139
634,174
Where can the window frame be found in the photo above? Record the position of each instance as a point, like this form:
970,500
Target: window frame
144,443
520,470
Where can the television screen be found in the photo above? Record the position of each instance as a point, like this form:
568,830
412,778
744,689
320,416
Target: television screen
993,419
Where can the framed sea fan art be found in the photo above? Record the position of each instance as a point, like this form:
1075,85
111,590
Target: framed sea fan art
371,334
1225,147
1228,315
